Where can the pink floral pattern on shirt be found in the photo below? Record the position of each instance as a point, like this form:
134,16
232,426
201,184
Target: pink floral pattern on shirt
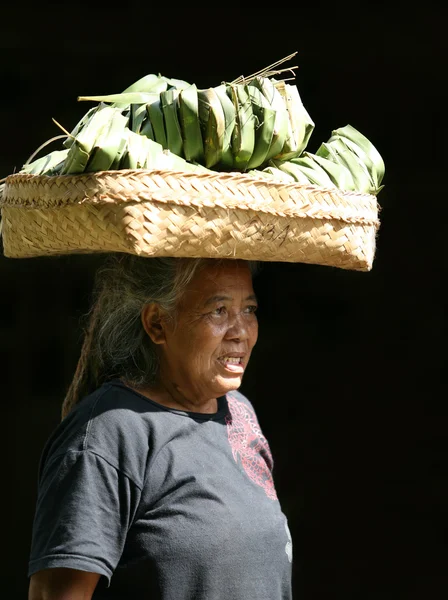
249,444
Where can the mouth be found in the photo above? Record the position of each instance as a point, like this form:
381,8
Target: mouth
232,362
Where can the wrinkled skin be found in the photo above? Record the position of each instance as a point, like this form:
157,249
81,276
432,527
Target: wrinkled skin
215,318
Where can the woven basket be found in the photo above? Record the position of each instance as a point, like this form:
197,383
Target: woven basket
167,213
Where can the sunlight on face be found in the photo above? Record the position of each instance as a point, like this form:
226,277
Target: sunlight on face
208,348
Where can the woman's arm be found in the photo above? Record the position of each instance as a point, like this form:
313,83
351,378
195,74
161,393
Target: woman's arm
62,584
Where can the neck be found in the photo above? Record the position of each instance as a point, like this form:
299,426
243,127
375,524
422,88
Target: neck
171,396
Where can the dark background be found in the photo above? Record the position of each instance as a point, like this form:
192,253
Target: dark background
348,377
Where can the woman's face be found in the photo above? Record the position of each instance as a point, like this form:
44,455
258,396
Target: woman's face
206,351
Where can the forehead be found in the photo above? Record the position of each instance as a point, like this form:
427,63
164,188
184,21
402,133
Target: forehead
231,278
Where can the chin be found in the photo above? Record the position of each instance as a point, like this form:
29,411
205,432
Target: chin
228,384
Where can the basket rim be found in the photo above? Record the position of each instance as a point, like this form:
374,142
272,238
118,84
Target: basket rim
226,189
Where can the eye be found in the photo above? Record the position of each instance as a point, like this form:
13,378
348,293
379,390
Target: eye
251,309
219,311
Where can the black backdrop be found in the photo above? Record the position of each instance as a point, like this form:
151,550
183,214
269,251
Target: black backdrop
348,375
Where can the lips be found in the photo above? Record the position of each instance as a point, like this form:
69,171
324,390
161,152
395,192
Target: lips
233,362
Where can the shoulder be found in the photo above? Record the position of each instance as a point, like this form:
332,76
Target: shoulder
114,410
240,397
112,423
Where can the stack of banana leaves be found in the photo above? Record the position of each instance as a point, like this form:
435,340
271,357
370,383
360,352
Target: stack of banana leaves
258,126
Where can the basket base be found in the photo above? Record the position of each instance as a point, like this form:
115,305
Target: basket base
155,229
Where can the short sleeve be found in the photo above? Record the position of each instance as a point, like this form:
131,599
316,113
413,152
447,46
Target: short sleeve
84,509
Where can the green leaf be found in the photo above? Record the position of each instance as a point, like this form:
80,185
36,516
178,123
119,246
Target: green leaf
189,122
122,99
169,103
149,83
157,119
46,165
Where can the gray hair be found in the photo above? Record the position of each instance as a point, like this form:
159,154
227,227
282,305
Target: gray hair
115,342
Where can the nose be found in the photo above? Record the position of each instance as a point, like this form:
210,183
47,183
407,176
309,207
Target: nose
238,329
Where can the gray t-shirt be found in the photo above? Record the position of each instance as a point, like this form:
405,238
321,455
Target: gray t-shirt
165,504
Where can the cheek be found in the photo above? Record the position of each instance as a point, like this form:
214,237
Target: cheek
253,333
204,343
255,338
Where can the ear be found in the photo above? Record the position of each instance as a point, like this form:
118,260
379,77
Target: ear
154,322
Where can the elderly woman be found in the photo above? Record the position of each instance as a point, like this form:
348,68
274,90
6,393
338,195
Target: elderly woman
157,483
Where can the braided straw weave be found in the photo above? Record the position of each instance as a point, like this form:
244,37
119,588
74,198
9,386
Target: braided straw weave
167,213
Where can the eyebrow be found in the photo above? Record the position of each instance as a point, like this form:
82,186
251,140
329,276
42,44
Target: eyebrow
218,298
